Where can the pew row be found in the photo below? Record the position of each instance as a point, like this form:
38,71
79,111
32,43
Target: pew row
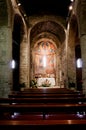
43,124
16,100
51,92
41,107
43,111
41,95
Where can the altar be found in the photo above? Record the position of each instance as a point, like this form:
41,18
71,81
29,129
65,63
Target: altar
40,81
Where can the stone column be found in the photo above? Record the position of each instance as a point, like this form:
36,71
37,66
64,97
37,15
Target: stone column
28,64
71,66
24,61
5,59
57,70
81,12
83,49
5,50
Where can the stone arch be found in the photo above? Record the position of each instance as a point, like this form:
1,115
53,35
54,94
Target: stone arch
17,37
75,30
48,26
5,29
73,44
81,16
48,30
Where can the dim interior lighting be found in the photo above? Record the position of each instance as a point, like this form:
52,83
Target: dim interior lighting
79,63
19,4
81,114
71,0
70,7
15,114
24,15
13,64
44,61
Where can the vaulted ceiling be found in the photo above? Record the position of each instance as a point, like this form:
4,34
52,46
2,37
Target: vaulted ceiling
34,7
46,7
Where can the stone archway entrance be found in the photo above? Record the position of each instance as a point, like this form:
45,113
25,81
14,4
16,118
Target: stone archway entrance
43,56
46,50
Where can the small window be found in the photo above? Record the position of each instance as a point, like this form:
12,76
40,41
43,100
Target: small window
79,63
13,64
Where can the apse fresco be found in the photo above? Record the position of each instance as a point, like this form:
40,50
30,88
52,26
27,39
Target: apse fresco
45,57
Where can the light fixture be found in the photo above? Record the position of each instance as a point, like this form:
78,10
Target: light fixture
24,15
71,0
13,64
70,7
44,61
79,63
19,4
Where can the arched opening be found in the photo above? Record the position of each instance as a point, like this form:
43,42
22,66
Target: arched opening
78,67
74,54
16,36
46,43
44,61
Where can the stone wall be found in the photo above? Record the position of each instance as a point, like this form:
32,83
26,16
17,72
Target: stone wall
5,52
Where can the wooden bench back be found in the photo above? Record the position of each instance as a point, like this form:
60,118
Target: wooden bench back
43,124
43,100
43,111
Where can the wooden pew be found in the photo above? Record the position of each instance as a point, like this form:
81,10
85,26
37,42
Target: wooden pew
45,95
43,124
42,115
47,91
50,90
41,107
43,111
38,101
16,100
40,93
